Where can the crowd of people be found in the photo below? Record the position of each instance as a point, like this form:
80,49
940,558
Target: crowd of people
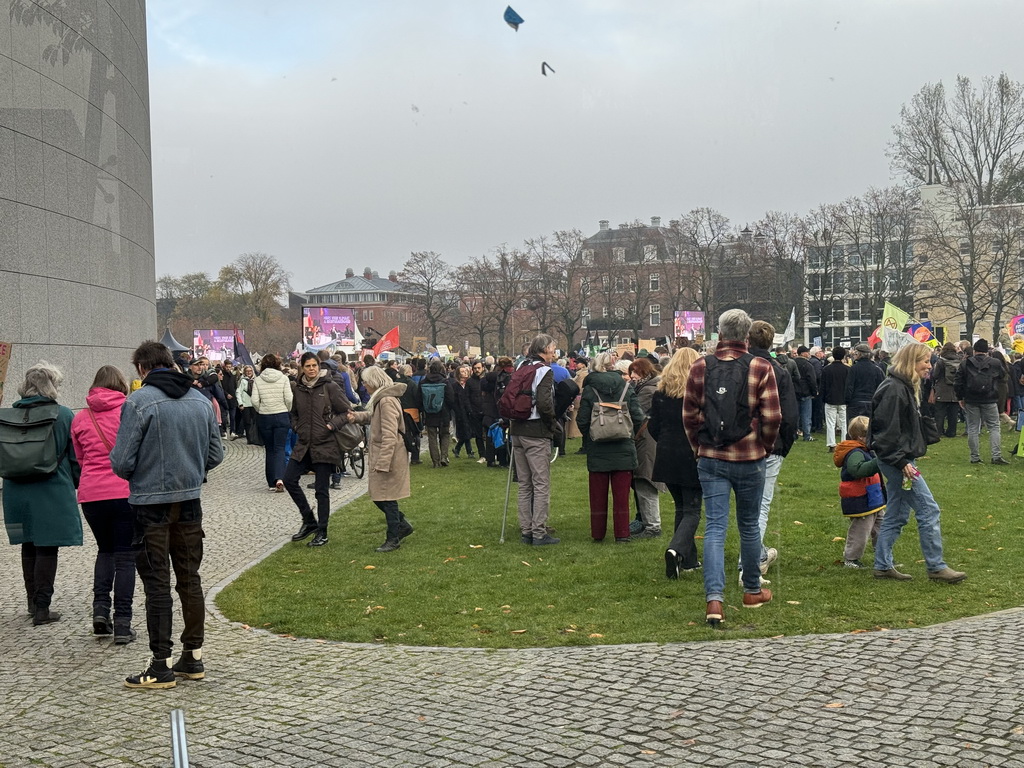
703,427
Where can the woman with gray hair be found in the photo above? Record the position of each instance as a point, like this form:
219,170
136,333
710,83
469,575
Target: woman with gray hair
42,515
388,459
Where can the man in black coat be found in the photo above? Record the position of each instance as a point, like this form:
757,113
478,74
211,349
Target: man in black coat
476,408
833,392
817,360
861,383
806,389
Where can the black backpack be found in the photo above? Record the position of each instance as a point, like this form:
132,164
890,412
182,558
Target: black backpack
980,381
726,407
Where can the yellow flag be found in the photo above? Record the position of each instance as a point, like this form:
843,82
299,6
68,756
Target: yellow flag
894,317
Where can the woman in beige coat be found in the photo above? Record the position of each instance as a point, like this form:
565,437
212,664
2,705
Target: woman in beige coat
388,460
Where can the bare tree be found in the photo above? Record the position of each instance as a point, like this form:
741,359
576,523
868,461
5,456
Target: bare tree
506,268
702,235
778,278
474,316
572,293
824,264
1005,229
259,279
432,276
971,137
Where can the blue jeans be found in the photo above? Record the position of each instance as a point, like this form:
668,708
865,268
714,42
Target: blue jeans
897,513
273,429
717,479
805,416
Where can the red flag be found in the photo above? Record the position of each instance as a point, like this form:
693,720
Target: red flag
874,338
388,341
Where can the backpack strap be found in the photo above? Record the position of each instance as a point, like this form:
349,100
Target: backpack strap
622,397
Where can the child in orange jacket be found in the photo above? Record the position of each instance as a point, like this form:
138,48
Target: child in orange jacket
861,491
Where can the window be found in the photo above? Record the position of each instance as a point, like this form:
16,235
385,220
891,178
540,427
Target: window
588,255
650,252
836,313
620,313
814,316
854,312
815,258
654,281
602,341
604,311
605,282
585,317
619,255
632,284
620,284
655,314
584,285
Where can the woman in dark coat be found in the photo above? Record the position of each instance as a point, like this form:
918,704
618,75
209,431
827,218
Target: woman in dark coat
645,380
464,431
318,408
43,516
612,462
675,465
438,424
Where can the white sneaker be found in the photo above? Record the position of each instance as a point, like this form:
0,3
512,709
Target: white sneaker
763,580
481,460
772,554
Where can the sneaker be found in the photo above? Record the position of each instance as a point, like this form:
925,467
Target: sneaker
481,460
975,461
762,582
716,613
1000,460
947,575
771,555
635,527
157,675
831,449
544,540
311,486
528,540
44,616
892,573
405,529
697,567
620,540
389,545
809,439
101,625
319,540
671,564
124,636
335,486
852,564
648,533
279,486
757,599
190,665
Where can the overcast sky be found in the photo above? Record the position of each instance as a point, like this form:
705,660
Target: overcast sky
353,133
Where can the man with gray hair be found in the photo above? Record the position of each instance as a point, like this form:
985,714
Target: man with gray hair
531,442
731,414
861,383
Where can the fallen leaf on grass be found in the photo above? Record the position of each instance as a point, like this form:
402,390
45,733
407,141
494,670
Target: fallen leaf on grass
793,602
776,637
449,560
526,564
518,631
857,631
369,567
835,705
999,549
478,609
594,634
838,538
797,522
476,546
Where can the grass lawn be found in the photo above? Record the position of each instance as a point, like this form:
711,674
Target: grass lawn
453,584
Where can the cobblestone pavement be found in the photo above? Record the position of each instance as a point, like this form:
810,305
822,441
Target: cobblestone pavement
945,696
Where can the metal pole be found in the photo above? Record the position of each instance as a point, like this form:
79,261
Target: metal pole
179,745
508,489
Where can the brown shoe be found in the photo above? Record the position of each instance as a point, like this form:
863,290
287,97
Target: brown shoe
716,613
947,575
892,573
757,599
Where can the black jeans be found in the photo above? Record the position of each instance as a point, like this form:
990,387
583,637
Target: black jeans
112,522
274,433
171,536
947,414
688,502
393,515
293,474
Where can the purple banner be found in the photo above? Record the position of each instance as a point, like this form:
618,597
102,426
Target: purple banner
217,345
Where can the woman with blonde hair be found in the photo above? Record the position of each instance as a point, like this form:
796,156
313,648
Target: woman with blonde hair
388,460
896,436
675,465
104,499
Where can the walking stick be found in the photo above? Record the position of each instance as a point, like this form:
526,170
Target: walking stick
508,490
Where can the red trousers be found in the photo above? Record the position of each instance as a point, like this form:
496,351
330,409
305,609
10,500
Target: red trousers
620,481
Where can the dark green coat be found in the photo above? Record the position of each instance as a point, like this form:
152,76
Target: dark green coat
615,455
45,513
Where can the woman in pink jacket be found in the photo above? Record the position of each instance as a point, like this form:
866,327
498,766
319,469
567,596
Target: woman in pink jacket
104,499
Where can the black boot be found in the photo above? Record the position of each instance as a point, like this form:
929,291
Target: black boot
45,575
390,545
28,571
44,616
306,530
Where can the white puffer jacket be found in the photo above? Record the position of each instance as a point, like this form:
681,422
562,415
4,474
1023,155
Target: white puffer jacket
271,393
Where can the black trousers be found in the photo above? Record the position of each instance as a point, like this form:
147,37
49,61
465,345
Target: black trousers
947,414
39,569
112,522
688,501
171,536
293,473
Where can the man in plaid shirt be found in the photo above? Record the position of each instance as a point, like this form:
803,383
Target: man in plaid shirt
737,467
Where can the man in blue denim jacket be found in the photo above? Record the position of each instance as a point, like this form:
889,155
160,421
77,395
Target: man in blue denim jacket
167,441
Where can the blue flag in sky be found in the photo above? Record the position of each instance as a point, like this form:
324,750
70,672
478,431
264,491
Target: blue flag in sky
512,18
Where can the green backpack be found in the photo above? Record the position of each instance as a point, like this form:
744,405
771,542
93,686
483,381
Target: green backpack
28,445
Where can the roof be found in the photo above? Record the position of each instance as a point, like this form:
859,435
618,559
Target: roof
362,284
